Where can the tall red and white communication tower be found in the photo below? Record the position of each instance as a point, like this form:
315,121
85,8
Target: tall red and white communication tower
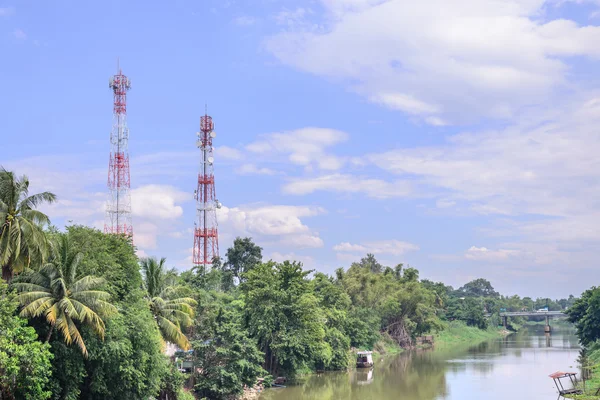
206,235
118,209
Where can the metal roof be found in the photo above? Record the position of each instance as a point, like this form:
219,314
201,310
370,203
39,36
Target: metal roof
560,374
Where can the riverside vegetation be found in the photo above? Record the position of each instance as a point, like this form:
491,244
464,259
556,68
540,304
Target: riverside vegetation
585,314
81,317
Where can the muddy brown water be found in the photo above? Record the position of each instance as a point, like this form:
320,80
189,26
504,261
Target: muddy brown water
512,368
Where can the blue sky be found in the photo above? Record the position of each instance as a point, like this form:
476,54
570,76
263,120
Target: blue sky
458,137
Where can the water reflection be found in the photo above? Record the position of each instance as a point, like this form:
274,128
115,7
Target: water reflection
364,376
513,367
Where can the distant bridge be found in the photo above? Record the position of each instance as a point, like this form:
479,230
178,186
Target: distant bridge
547,314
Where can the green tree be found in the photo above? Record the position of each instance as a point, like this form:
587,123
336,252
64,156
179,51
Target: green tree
335,304
64,298
227,360
129,363
528,303
243,256
408,309
109,256
284,316
21,236
172,312
585,314
369,262
25,363
478,288
399,306
472,313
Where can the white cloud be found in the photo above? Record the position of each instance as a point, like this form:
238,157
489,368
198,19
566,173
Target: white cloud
393,247
542,168
228,153
539,168
485,254
453,62
77,209
274,224
303,241
252,169
404,102
158,201
267,219
19,34
305,147
145,235
345,246
344,183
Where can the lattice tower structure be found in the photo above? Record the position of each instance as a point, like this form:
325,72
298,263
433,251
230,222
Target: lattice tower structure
118,209
206,234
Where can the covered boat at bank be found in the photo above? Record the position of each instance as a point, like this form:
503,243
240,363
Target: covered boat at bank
364,359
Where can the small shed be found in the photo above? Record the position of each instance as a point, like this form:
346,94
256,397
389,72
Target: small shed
558,377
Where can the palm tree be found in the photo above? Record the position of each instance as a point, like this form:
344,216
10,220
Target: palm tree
21,236
64,298
170,311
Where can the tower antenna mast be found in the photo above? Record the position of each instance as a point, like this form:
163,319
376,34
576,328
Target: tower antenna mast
206,236
118,209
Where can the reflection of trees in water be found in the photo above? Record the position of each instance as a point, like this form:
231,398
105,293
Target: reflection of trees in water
414,376
420,375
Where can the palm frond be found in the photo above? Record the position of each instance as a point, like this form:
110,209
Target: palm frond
172,333
35,216
37,307
74,332
177,317
24,287
87,283
52,314
89,317
62,324
90,296
31,202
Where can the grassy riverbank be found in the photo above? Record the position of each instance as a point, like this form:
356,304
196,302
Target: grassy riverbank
458,333
592,384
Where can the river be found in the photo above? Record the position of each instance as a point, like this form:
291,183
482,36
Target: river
512,368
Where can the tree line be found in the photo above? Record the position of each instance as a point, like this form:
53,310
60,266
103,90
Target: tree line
81,317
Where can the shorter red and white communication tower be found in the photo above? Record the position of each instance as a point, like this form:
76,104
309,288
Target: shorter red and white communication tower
206,235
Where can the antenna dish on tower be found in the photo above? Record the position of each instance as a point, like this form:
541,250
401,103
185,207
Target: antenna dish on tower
210,160
213,134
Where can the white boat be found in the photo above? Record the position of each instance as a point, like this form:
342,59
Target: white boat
364,359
